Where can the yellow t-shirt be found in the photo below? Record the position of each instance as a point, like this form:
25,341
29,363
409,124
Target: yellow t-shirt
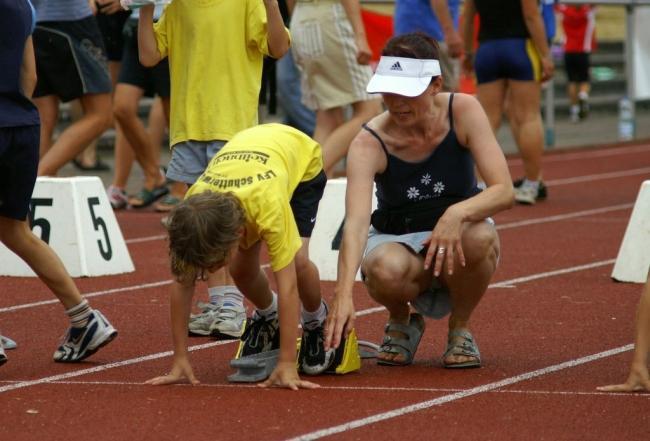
215,50
263,166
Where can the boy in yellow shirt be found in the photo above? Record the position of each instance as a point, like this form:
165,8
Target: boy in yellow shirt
264,186
215,50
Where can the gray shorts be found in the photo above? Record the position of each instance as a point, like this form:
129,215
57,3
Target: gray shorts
435,302
190,159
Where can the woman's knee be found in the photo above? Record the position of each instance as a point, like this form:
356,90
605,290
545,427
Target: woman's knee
481,244
385,270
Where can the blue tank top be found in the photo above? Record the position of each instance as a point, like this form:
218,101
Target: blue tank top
412,190
16,24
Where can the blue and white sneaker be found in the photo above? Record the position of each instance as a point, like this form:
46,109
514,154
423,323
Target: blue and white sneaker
80,343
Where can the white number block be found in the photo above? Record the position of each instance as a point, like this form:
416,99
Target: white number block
326,237
74,217
633,258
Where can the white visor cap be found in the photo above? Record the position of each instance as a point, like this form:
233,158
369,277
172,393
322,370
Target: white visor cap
403,76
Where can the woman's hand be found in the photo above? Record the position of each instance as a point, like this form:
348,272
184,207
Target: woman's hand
548,67
340,321
445,243
363,50
286,375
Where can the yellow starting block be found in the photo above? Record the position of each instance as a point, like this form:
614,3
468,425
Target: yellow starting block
346,359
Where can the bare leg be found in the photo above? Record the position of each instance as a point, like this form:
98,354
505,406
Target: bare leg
96,119
308,279
468,285
525,101
336,144
250,278
395,276
125,110
48,109
17,236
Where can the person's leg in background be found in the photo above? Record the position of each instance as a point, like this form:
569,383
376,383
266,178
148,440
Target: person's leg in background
290,94
525,101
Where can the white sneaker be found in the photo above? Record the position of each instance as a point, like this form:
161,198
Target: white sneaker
117,197
525,194
229,322
79,343
200,323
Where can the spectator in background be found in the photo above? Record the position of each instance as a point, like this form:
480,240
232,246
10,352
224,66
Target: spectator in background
110,19
134,82
71,63
579,25
289,90
439,20
512,60
330,47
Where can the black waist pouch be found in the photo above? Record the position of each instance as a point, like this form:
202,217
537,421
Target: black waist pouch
412,218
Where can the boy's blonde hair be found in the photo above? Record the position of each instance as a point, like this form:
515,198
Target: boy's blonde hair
202,231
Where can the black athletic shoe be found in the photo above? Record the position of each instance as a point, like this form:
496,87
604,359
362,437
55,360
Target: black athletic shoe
313,359
541,192
261,335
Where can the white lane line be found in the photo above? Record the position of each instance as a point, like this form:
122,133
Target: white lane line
544,275
146,239
108,366
598,177
89,295
352,388
218,343
588,154
354,424
561,217
97,294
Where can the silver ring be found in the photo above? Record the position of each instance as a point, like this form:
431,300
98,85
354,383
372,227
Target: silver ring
441,250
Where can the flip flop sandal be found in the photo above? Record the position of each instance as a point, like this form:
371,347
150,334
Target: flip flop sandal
167,203
148,197
405,346
466,347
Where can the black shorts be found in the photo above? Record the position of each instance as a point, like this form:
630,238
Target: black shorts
111,26
153,80
70,59
18,167
304,203
577,66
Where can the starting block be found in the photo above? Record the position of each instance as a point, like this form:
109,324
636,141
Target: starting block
74,217
326,238
633,260
258,367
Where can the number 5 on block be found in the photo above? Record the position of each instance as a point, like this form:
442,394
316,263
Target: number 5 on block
74,217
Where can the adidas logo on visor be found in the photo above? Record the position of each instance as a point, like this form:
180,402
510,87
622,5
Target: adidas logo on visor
396,66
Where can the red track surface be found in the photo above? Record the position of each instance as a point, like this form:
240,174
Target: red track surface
552,328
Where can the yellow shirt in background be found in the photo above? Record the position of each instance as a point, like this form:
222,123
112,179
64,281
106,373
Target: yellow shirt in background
262,166
215,50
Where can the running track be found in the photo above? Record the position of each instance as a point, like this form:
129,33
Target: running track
551,328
